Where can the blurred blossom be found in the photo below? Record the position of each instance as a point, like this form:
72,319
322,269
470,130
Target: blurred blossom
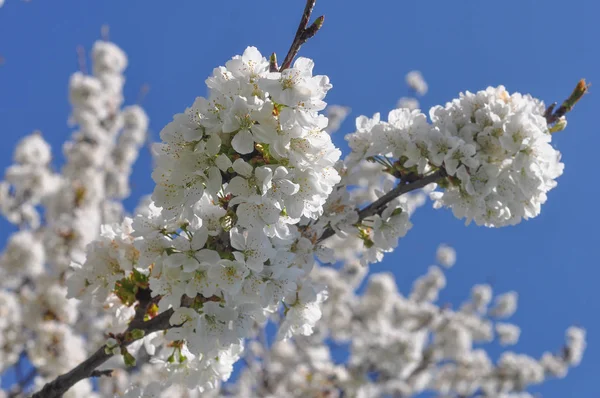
336,115
415,81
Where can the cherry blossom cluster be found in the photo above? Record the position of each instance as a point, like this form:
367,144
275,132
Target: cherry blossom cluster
252,207
396,346
360,236
403,345
366,239
58,212
494,147
235,174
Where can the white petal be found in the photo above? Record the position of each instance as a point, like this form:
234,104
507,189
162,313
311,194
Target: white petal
243,142
241,167
223,162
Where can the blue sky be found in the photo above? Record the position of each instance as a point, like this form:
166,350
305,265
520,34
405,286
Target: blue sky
538,47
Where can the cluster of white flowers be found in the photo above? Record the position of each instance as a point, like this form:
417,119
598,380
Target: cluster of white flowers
494,147
401,345
235,174
251,200
366,237
28,182
11,339
56,349
497,148
58,214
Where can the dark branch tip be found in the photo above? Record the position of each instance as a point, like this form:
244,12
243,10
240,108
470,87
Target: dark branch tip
273,67
313,29
318,23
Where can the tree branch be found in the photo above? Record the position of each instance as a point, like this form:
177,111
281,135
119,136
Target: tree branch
100,373
380,204
303,33
86,369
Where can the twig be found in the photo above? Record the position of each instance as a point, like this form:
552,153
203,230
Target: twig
273,67
303,33
552,116
379,205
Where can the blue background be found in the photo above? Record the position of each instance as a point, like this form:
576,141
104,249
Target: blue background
538,47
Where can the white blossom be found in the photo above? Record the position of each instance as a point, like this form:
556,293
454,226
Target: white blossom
415,80
446,256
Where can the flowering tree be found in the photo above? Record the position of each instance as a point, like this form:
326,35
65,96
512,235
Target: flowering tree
257,221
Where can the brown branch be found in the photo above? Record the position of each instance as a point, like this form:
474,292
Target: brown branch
380,204
100,373
273,67
303,33
87,368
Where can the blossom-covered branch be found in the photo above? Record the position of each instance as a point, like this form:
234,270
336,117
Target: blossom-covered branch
45,328
379,205
88,368
247,180
251,200
138,328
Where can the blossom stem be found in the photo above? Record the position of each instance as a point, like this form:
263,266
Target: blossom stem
379,205
303,33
